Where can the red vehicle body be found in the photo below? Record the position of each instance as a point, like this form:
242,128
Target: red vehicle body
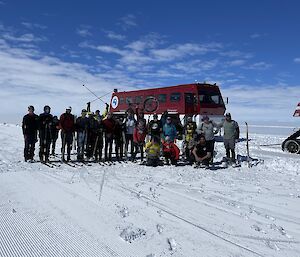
187,99
297,111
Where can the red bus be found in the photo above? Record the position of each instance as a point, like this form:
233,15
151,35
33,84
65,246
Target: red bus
188,99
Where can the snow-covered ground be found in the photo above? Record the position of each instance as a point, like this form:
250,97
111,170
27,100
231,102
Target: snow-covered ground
143,211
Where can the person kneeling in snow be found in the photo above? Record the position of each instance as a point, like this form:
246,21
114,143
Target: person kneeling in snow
153,152
170,151
202,152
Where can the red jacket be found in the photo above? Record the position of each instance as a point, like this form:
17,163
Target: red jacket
172,149
109,126
138,135
66,122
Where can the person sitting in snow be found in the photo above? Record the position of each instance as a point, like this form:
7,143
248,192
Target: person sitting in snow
152,149
201,151
170,151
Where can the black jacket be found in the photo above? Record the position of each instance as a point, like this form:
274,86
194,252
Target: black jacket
30,124
45,124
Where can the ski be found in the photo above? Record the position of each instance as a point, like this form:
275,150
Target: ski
48,165
80,164
86,163
69,164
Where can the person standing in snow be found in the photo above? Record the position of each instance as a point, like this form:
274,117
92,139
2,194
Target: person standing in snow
189,133
119,137
45,123
81,127
109,127
54,133
231,134
129,128
91,136
67,126
139,135
154,127
169,130
30,126
208,128
99,138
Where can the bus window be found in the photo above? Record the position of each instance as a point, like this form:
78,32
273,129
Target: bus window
189,98
162,98
128,100
138,99
121,100
175,97
206,97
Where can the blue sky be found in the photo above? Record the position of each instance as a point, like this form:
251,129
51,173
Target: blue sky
48,49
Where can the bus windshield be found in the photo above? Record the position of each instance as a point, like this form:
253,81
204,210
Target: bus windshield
210,97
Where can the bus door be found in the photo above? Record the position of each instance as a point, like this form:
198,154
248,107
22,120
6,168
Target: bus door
189,103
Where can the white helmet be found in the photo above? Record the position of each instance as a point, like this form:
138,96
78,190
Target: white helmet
69,108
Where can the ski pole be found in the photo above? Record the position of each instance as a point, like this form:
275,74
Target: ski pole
93,93
95,146
63,144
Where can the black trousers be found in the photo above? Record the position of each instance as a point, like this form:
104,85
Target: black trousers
29,148
119,145
67,139
44,148
99,147
108,147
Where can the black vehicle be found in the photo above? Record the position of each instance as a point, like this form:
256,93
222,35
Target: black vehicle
292,143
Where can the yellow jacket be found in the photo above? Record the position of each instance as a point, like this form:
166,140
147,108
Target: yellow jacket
152,150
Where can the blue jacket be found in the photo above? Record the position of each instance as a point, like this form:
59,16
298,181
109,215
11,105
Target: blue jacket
170,131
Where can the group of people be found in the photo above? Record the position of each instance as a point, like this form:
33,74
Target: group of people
130,134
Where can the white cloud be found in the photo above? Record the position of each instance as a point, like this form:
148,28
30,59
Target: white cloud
187,49
149,41
266,102
127,21
259,66
114,36
23,38
28,77
84,31
29,25
195,66
235,54
297,60
236,62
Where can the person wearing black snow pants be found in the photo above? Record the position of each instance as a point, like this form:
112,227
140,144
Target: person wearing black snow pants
91,136
45,123
30,127
54,134
67,125
99,139
119,136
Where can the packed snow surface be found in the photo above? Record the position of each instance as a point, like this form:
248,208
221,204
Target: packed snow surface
131,210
